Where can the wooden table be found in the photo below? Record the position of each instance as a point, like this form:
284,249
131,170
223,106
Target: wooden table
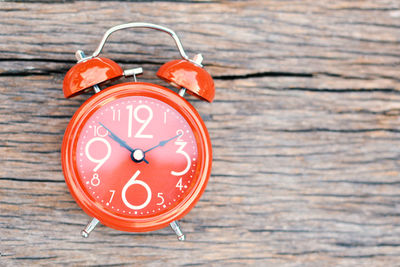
305,129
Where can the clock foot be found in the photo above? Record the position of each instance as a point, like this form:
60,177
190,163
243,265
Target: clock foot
89,228
175,226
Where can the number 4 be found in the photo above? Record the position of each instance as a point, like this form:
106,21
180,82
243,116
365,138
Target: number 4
179,184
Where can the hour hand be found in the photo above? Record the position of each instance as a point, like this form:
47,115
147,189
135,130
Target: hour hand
163,143
116,138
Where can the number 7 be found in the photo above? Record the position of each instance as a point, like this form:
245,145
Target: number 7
112,196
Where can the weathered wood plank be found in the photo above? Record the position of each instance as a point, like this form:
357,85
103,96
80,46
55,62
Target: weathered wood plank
305,130
283,174
335,38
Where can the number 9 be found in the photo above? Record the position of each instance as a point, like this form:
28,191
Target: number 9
99,161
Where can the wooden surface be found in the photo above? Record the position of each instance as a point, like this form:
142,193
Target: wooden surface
305,129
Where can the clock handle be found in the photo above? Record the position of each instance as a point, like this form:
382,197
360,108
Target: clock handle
185,74
143,25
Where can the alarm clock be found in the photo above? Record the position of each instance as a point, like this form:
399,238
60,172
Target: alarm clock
136,156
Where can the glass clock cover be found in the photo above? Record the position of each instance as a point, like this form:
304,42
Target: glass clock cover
137,156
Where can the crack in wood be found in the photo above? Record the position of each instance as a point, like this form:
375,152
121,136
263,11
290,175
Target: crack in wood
392,130
31,180
263,74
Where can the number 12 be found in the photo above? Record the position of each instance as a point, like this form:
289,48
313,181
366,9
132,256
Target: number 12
144,122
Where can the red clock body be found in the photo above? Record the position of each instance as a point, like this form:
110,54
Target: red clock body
136,156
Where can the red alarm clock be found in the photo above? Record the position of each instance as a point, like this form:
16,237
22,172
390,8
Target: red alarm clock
137,156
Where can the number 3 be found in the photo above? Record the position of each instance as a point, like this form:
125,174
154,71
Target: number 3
180,151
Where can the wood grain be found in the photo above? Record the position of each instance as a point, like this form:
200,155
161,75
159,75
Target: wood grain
305,130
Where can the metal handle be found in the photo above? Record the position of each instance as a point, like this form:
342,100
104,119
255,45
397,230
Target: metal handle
142,25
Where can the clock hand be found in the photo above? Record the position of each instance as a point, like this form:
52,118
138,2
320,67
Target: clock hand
117,139
163,143
120,141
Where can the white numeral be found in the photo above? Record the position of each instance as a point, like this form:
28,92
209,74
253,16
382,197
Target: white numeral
144,122
95,180
179,184
180,132
160,195
116,115
97,132
182,145
133,181
130,107
99,161
112,195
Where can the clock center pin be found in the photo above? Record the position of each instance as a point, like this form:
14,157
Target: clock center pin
137,155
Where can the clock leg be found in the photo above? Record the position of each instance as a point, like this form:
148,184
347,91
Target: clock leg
89,228
175,226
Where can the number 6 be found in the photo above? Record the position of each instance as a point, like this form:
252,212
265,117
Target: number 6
133,181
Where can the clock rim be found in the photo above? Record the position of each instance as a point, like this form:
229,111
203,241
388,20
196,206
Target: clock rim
96,210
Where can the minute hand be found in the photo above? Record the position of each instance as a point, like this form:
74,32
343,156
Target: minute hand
117,139
163,143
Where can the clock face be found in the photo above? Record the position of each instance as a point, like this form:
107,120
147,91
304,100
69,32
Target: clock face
136,156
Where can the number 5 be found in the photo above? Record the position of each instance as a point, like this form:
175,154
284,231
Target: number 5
160,195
